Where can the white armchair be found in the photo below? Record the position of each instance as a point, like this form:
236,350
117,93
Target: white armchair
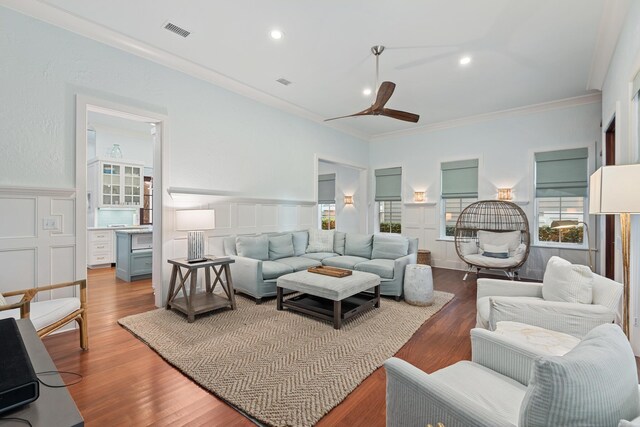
499,300
596,383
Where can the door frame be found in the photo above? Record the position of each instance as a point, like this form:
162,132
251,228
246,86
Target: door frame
610,220
84,105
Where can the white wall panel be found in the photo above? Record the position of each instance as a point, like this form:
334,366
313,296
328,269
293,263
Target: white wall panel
247,216
269,216
19,269
18,217
288,217
66,210
62,261
307,216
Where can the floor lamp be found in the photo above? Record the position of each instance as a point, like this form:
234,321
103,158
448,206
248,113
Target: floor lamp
571,223
614,191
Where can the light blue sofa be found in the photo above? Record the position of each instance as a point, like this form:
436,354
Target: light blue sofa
256,270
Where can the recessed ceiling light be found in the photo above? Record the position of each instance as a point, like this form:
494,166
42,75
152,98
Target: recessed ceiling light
465,60
366,91
276,34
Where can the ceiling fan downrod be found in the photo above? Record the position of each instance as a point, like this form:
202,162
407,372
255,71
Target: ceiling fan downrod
377,51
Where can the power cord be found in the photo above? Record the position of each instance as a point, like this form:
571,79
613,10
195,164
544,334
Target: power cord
59,372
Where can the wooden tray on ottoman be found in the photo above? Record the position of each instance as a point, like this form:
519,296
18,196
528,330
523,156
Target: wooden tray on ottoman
330,271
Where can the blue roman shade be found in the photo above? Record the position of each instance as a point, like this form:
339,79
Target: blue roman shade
327,189
562,173
389,185
460,179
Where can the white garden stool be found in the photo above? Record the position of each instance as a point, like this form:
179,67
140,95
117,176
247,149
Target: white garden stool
418,285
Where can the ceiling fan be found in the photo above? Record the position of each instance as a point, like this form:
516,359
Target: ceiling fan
383,93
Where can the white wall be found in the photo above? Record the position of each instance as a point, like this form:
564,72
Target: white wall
505,146
616,101
215,139
135,146
349,182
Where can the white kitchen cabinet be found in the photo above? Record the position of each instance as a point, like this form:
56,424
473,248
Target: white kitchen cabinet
100,248
115,184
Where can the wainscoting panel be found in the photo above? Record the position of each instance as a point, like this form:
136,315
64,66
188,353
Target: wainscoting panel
269,217
29,255
18,217
247,216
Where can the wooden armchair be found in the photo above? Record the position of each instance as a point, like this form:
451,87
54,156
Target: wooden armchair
48,316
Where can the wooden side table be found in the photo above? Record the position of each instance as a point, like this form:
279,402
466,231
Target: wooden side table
192,302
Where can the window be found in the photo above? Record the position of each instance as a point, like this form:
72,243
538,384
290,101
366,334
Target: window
561,190
327,201
146,211
390,217
389,198
452,210
459,190
560,209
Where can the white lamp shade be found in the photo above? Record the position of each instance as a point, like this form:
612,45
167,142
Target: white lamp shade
614,190
195,220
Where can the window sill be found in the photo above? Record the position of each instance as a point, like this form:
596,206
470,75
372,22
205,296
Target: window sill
565,247
446,239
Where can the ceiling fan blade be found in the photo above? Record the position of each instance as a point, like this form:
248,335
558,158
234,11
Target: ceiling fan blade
367,112
400,115
384,93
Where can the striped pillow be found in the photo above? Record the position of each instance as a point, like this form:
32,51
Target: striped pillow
567,282
595,384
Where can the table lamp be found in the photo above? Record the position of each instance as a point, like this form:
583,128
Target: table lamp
195,221
572,223
613,190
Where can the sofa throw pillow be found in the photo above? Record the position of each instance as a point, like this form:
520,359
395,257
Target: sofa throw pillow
2,300
496,251
386,246
281,246
358,245
510,238
567,282
338,242
594,384
320,241
256,247
300,242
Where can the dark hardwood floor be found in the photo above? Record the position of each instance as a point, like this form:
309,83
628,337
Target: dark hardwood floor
126,383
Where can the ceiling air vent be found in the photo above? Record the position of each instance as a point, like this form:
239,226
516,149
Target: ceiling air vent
284,81
175,29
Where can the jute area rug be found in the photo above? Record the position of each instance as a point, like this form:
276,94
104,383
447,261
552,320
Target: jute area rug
280,367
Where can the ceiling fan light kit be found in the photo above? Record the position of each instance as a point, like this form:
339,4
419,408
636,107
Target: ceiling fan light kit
383,93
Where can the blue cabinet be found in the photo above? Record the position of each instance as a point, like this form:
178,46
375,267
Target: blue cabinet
131,264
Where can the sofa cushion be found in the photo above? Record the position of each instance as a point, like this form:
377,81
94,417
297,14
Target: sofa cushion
300,263
596,383
300,242
496,251
497,393
483,310
320,240
511,238
567,282
358,245
338,242
320,255
344,261
381,267
389,246
256,247
45,313
280,246
274,269
229,245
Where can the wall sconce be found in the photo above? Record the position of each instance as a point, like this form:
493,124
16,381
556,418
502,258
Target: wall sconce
504,194
348,200
418,196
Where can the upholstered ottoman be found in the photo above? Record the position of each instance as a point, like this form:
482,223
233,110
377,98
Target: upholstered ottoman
329,298
418,285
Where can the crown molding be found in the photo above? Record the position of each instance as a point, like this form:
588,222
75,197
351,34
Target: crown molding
37,191
611,22
94,31
518,111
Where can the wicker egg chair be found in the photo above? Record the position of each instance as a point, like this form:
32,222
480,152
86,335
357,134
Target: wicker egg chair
497,220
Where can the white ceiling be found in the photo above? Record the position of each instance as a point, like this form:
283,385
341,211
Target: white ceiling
524,52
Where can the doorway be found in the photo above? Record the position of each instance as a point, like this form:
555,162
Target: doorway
124,204
610,220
